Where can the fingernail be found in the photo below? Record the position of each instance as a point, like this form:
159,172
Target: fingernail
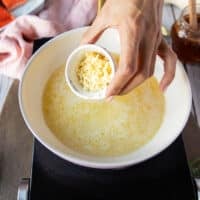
109,99
163,88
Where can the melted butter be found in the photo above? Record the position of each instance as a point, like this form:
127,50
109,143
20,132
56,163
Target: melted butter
103,128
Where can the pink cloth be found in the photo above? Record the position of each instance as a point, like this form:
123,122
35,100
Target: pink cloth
16,41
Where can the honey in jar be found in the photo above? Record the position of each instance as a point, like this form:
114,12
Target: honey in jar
185,39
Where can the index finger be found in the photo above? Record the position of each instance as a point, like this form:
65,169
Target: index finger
127,64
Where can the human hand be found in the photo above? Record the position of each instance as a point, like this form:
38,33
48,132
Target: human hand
139,25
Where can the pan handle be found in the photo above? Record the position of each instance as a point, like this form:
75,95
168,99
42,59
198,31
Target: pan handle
23,189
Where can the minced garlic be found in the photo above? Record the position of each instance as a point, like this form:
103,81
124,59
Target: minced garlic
94,72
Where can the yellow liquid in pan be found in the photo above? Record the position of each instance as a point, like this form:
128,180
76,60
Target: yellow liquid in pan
103,128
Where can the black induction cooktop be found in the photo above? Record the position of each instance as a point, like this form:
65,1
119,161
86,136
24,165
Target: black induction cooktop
163,177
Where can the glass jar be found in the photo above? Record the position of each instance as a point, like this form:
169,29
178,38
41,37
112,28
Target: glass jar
186,40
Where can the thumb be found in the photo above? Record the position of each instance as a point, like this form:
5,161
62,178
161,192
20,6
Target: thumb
93,33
